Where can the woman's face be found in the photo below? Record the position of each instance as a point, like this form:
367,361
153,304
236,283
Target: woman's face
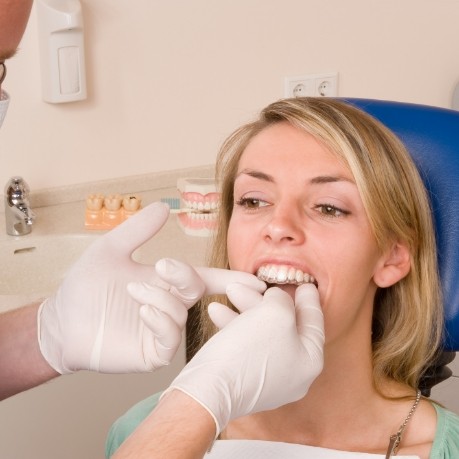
298,212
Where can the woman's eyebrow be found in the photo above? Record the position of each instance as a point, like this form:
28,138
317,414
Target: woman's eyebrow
320,179
330,179
256,174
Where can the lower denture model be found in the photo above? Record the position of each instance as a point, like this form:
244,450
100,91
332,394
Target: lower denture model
106,212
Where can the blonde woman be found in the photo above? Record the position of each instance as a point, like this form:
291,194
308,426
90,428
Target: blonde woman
316,192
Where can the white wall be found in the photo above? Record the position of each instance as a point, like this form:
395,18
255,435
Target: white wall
169,80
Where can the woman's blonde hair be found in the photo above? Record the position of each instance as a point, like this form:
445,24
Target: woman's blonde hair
408,317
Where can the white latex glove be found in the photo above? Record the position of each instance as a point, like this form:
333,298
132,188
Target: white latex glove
165,306
93,323
263,358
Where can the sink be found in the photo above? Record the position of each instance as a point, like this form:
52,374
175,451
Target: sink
33,266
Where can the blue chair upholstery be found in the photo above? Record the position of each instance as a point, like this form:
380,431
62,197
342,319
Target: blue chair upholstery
431,135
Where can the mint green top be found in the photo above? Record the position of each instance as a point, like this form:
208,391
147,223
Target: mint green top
445,445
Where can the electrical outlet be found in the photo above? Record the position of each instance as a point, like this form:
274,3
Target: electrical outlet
315,85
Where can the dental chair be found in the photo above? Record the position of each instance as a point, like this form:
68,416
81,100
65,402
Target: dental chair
431,135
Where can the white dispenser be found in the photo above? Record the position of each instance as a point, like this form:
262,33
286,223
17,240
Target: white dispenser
62,58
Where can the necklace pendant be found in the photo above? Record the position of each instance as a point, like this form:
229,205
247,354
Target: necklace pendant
393,445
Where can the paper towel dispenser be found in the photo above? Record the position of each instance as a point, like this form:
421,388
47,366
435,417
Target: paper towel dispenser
62,57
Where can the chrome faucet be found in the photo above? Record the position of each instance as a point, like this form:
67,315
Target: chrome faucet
18,214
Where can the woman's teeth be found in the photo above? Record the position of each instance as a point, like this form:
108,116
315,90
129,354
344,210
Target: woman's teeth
282,274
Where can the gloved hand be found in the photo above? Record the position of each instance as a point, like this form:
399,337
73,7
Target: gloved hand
263,358
165,305
93,323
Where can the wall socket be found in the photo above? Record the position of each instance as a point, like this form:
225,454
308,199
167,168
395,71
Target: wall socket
315,85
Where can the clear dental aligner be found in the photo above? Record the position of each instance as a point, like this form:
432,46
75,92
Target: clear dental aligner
283,274
200,201
106,212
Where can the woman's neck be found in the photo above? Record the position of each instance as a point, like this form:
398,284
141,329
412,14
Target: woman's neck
339,407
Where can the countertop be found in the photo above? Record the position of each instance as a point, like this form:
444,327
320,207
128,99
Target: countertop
64,215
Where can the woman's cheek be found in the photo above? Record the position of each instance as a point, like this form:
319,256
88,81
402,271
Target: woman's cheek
232,247
241,245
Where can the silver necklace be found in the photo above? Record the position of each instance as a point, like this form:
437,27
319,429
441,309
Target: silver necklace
395,439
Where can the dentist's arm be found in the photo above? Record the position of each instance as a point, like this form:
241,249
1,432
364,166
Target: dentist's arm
19,351
22,365
272,344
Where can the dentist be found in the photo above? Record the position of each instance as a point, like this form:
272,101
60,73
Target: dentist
94,321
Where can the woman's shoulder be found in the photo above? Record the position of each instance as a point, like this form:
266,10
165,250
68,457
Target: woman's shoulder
128,422
446,442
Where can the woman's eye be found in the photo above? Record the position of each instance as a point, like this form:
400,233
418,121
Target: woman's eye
329,210
251,203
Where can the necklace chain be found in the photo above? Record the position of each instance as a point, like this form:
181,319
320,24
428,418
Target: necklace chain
395,440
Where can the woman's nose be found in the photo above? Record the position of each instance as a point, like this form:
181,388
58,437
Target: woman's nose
286,225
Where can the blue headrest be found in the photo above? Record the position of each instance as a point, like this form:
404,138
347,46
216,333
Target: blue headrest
431,135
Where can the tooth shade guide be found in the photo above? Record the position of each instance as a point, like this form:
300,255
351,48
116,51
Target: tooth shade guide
114,210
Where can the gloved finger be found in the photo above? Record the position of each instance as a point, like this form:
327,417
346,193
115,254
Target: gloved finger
220,314
309,318
138,229
185,283
276,295
216,280
163,300
243,297
167,335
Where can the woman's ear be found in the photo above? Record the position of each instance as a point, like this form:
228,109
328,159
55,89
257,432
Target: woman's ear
394,265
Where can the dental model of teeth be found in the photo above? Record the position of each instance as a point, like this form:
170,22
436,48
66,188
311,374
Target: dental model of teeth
198,206
283,274
106,212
